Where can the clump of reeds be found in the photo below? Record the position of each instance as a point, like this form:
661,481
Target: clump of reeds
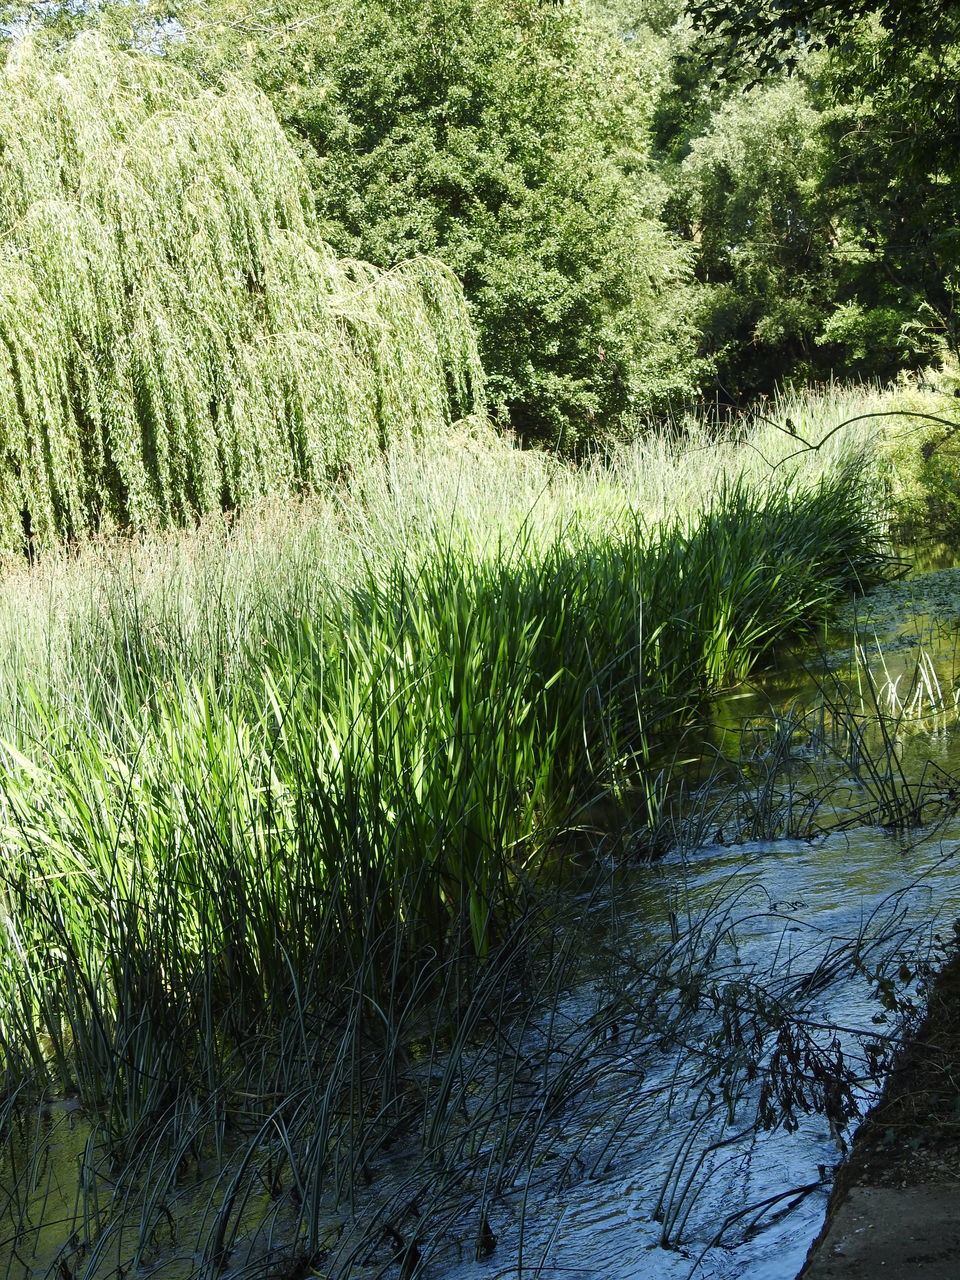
274,812
403,752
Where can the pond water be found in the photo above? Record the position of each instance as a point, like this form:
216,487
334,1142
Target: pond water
692,1186
678,1110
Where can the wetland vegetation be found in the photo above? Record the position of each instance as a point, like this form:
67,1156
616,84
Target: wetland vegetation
356,757
287,803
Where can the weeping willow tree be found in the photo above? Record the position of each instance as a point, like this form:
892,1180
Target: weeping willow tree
174,335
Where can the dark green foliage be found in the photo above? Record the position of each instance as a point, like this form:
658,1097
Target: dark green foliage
768,33
817,258
511,141
747,192
886,97
892,125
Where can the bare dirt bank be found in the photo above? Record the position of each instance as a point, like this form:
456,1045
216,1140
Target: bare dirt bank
895,1207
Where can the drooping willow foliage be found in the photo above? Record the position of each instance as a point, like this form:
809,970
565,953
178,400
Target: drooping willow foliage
175,337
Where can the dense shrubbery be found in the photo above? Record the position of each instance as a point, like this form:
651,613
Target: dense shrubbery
781,185
629,226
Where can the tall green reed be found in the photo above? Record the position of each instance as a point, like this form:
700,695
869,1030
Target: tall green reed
274,812
399,759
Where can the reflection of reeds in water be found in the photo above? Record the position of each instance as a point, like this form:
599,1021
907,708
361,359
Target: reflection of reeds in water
855,748
916,694
869,718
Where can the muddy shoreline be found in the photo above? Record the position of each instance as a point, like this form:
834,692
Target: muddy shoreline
896,1198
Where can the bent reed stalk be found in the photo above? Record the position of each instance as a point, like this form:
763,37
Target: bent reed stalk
175,337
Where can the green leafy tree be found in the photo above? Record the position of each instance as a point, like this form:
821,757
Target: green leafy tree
895,170
510,139
747,193
794,286
175,336
890,94
769,33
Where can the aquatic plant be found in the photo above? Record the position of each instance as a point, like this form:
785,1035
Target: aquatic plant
398,757
283,803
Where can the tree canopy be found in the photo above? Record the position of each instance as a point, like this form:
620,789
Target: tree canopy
175,335
511,140
642,202
767,33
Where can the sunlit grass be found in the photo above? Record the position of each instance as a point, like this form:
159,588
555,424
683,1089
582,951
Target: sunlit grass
279,782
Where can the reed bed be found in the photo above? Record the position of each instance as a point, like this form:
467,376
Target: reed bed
280,797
